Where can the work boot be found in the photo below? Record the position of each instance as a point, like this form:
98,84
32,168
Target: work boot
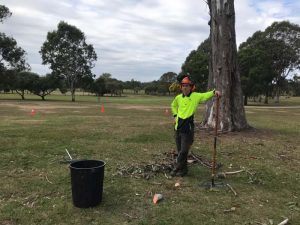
182,173
174,172
179,172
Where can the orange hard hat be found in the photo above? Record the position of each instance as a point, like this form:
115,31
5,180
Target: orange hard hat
186,80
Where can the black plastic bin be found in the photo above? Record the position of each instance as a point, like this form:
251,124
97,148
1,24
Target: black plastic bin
87,182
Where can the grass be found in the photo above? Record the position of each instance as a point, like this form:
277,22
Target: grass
35,187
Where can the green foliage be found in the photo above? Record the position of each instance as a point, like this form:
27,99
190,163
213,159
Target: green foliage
166,81
43,86
294,85
268,57
168,77
25,81
256,67
196,65
12,56
68,54
106,84
4,13
98,86
114,86
106,76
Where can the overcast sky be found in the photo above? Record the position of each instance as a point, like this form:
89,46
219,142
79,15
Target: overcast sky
135,39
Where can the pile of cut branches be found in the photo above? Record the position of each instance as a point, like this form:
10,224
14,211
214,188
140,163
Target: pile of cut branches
163,164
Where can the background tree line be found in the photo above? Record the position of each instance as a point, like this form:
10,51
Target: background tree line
268,60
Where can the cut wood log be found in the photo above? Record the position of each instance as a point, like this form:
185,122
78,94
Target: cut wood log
231,188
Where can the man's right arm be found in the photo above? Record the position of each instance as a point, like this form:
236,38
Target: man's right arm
174,107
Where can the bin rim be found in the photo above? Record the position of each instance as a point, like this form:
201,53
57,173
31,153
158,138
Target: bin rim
87,168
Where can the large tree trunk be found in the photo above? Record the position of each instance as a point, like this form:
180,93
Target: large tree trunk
224,75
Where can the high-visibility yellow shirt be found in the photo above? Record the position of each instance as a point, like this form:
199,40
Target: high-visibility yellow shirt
184,108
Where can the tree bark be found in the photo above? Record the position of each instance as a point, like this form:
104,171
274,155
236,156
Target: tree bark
277,93
224,74
266,98
73,94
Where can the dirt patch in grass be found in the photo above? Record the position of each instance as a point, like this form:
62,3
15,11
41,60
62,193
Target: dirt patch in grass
139,107
43,107
28,121
47,106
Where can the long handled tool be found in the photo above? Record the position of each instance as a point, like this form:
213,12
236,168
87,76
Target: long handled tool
214,184
213,168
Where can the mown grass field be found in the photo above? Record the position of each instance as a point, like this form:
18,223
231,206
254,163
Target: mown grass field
35,186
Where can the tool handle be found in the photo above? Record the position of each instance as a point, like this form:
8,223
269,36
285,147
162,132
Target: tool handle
213,169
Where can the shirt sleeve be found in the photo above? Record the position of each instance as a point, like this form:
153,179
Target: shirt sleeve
174,106
203,97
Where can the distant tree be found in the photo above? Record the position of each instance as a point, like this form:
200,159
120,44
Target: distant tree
24,81
196,65
98,86
151,88
63,87
12,57
114,86
68,54
278,47
255,62
162,89
106,76
135,86
44,85
166,80
4,13
295,85
86,83
287,54
7,80
168,77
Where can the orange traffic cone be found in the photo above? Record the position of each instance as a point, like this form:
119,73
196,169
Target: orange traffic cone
102,108
32,112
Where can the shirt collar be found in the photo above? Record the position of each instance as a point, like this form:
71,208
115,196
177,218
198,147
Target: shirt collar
186,95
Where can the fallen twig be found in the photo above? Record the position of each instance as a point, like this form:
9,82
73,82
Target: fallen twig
284,222
167,176
232,209
131,217
156,183
231,188
204,162
224,174
48,180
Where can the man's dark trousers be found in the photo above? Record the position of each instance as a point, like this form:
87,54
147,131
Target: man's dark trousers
183,144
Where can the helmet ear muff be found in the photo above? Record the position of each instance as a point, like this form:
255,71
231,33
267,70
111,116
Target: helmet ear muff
193,87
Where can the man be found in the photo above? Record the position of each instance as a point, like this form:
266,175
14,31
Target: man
183,109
